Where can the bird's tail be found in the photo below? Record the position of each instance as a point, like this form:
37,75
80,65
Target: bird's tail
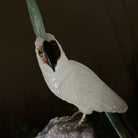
118,125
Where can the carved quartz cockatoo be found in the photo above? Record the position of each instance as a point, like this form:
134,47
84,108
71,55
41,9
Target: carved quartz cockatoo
73,82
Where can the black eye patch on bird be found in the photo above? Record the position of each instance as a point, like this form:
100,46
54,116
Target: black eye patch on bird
52,53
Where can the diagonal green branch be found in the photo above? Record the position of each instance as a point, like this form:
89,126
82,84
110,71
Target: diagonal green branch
118,125
36,19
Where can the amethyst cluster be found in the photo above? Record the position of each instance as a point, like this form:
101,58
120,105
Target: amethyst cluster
53,130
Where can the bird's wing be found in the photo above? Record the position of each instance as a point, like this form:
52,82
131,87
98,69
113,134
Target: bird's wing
83,88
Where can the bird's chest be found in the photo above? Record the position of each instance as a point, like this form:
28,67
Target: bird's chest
53,84
55,80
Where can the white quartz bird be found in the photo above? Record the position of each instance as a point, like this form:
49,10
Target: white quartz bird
73,82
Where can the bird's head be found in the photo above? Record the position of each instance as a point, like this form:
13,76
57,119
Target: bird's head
48,52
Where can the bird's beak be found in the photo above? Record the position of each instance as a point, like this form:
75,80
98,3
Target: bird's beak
49,53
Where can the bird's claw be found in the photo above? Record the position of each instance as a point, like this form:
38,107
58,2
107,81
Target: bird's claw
64,119
70,127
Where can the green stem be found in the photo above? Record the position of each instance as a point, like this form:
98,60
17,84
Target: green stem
36,18
118,125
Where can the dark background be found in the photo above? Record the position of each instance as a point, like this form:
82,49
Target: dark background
102,34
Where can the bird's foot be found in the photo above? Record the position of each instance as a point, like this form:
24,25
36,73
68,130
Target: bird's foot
64,119
70,127
69,118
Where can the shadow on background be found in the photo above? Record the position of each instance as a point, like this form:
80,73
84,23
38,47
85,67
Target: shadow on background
101,34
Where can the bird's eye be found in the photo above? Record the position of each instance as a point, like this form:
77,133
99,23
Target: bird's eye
40,52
